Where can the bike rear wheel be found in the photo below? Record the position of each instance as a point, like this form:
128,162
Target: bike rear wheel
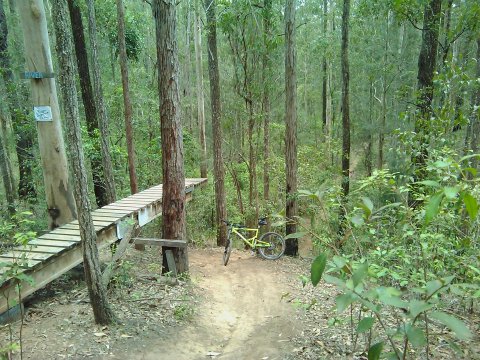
276,246
227,252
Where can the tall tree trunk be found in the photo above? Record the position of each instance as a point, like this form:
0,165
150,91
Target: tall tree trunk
324,71
200,97
475,115
122,52
187,70
99,184
290,127
58,191
345,111
368,155
266,75
6,172
218,167
383,119
426,70
173,202
24,137
100,105
96,290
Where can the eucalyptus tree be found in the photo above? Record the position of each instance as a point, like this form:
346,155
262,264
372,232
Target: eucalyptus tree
58,189
173,200
426,71
88,99
24,139
241,24
6,173
266,104
122,51
200,94
100,104
102,312
290,128
218,165
345,111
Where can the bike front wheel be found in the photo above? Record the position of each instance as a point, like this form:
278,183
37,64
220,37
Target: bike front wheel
227,252
276,246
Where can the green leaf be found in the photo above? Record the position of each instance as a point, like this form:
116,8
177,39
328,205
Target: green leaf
295,235
367,206
415,335
440,164
334,280
391,296
417,307
433,206
359,274
450,192
433,286
318,267
471,205
304,279
469,157
375,351
451,322
343,301
357,220
430,183
365,324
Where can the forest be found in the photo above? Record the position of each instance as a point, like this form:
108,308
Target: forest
350,125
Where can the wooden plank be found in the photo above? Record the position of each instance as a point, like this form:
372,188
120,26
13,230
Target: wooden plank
127,207
160,242
62,231
26,264
27,255
41,249
76,227
95,222
106,217
61,237
53,243
111,212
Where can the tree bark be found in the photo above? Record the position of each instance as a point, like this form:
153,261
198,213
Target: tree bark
266,73
290,128
99,184
426,70
383,120
6,172
97,292
200,97
345,100
187,70
325,73
173,202
24,137
58,191
100,105
475,115
218,166
122,51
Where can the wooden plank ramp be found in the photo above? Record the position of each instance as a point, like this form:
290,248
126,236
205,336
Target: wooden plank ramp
47,257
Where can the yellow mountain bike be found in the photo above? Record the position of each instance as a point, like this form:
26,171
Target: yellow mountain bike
271,245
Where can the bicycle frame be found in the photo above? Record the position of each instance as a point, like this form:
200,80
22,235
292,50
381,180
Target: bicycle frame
253,241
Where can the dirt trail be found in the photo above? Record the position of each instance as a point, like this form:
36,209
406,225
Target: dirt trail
240,312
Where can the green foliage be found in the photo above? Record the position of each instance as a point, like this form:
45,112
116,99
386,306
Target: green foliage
402,258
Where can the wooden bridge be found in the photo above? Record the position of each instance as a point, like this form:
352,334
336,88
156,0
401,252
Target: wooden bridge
49,256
